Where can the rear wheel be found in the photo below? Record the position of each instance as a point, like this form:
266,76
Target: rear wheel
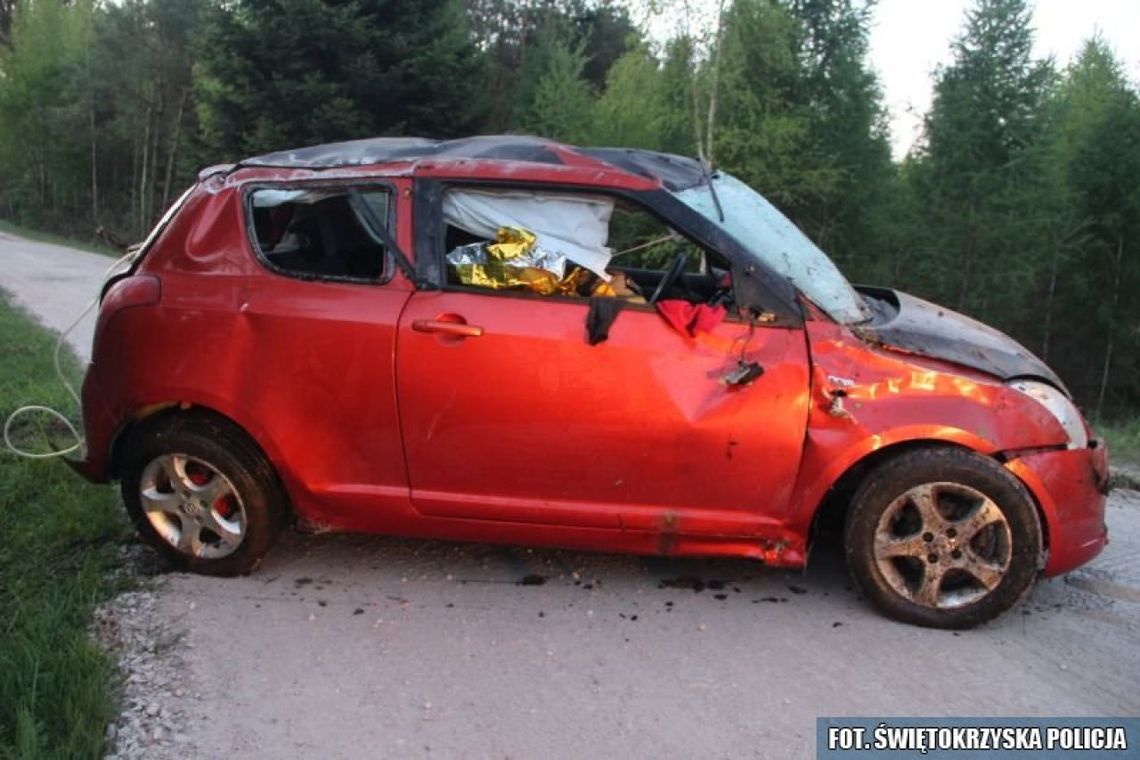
202,495
943,538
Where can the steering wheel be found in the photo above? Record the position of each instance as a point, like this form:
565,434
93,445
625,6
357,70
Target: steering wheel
722,295
670,277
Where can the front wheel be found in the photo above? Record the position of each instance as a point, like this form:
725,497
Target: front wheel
943,538
203,495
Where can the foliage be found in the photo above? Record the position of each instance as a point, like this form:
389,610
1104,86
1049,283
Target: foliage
41,108
518,38
1123,438
1094,155
634,109
1018,207
277,74
561,100
58,541
979,176
847,125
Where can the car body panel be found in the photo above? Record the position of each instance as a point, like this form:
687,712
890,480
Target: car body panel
528,422
236,338
892,398
927,329
1071,489
526,434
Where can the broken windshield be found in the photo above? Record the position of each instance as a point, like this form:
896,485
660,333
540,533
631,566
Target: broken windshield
773,239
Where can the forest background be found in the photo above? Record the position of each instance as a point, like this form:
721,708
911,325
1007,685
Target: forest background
1019,205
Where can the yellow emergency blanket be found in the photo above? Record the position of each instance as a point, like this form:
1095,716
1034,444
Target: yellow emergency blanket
514,261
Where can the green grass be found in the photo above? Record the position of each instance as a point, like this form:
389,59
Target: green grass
1123,440
59,539
47,237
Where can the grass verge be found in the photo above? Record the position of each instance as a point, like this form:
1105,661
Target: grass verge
48,237
1123,441
59,540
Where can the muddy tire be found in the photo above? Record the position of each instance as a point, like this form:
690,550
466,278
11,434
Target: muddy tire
943,538
202,494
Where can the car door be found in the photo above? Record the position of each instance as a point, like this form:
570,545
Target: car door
509,414
322,311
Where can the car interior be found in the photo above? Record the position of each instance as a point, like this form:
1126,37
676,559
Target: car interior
654,260
318,233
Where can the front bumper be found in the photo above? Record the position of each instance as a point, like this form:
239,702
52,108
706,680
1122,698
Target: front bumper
1071,487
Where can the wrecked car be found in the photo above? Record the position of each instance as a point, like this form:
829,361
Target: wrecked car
507,339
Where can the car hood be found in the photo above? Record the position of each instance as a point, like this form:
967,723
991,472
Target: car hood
920,327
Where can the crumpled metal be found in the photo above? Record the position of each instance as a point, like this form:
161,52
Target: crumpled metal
513,261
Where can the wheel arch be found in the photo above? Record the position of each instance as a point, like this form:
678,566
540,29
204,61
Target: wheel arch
830,511
152,416
226,448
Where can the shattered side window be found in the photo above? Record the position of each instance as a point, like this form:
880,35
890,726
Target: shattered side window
641,241
321,232
546,243
565,244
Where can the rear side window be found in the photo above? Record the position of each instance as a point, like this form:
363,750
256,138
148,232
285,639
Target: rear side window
321,233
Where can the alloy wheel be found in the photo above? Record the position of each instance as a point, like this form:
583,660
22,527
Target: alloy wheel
943,545
192,506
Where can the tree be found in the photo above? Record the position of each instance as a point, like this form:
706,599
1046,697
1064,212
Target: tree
517,35
41,163
278,73
7,11
764,133
848,127
1095,162
138,83
561,104
979,173
634,109
607,33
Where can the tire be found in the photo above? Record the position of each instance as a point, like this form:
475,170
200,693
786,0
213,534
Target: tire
202,494
943,538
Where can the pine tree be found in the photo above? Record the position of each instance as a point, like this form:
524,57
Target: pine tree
1095,161
979,175
274,74
633,110
848,127
562,101
764,124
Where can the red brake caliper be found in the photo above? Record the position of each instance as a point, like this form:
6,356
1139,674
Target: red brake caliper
200,477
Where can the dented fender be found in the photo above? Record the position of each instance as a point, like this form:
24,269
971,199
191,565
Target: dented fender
866,399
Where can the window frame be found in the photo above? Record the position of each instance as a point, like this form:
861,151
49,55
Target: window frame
430,237
388,265
440,252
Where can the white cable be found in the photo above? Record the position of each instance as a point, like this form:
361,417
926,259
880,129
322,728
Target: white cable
80,442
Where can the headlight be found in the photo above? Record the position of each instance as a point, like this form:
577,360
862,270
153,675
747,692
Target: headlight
1059,405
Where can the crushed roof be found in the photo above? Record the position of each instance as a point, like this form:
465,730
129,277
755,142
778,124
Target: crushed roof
673,172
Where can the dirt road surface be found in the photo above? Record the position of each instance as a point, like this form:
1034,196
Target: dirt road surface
54,284
352,646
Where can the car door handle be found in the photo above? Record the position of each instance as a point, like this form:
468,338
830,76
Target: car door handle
447,327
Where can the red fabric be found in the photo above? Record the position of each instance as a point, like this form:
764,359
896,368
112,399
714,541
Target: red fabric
706,318
690,319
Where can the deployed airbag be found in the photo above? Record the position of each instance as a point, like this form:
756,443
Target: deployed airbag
574,226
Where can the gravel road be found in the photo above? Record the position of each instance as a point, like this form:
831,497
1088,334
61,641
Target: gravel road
54,284
350,646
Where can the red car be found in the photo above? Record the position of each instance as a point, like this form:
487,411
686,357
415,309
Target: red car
507,339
